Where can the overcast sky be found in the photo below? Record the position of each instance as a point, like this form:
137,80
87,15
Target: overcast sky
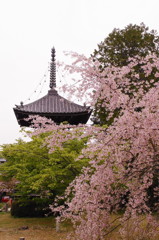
30,28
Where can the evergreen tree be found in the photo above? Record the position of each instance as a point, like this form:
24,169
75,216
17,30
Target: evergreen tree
120,45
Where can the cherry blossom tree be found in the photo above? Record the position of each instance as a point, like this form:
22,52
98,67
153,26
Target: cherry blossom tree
124,158
116,50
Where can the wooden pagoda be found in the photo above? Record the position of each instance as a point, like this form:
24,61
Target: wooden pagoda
52,105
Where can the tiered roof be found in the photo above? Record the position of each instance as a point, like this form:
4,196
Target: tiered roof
52,105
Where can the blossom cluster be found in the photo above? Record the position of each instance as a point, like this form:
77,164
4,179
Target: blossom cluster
124,157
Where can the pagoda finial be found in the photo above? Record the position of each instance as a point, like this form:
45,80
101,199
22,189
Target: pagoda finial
52,69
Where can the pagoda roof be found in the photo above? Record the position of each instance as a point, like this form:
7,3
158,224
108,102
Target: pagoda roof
53,105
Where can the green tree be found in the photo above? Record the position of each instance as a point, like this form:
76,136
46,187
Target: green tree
39,172
116,50
120,45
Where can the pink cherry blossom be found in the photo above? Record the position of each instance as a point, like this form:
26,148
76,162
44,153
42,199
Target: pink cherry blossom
124,157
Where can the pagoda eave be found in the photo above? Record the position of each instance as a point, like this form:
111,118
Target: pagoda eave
73,118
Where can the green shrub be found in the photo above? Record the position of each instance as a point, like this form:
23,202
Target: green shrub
37,207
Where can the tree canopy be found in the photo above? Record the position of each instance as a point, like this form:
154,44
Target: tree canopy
37,171
122,44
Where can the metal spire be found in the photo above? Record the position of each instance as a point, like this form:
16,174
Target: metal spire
52,69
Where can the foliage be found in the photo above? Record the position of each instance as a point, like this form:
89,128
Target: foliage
117,50
1,156
36,207
120,45
124,157
36,170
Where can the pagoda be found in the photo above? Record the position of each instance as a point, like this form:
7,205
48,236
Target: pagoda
52,105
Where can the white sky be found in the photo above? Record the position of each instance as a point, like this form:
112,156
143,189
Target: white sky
29,29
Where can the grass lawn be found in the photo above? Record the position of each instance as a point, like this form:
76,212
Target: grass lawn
44,229
38,228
